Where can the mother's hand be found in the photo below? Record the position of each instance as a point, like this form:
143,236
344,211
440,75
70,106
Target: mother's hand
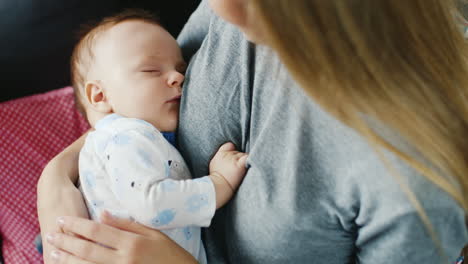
125,242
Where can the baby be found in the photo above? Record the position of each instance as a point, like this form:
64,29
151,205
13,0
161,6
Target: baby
127,73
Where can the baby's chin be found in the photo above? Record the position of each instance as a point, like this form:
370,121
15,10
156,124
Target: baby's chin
170,126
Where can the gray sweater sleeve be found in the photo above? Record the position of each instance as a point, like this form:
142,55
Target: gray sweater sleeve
195,30
315,192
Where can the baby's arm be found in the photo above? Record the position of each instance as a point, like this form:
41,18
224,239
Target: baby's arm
141,184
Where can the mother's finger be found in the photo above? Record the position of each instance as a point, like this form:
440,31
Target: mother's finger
86,250
92,230
64,257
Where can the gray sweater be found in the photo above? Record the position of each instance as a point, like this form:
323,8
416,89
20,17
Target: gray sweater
316,192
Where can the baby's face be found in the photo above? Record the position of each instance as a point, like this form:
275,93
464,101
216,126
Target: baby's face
140,67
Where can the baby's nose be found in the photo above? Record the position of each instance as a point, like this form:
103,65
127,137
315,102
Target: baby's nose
175,79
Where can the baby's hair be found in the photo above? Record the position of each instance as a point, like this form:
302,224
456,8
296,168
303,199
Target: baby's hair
83,55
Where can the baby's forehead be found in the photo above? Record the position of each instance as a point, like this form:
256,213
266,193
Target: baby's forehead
129,42
124,29
117,35
97,43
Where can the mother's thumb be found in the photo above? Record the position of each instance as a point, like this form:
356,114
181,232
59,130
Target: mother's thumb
124,224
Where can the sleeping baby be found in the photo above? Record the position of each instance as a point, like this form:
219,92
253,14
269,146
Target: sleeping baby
127,74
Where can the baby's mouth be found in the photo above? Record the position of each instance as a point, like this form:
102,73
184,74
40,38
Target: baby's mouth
175,99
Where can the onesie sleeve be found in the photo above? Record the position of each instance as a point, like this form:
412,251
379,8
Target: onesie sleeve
138,166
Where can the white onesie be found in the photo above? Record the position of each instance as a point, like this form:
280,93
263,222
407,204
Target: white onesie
128,168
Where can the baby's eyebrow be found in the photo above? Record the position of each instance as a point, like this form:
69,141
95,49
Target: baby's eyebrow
150,57
144,60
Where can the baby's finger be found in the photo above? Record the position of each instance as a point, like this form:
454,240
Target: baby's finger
229,146
233,152
242,160
239,155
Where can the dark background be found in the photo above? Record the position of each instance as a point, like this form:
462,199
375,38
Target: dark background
37,37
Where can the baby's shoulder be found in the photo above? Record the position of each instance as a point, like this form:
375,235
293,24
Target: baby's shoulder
114,124
123,132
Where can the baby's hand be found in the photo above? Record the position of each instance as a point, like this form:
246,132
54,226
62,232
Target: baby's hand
227,169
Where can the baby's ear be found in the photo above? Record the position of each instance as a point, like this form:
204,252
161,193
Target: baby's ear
96,96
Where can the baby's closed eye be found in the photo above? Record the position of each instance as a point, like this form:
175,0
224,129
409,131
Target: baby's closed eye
151,71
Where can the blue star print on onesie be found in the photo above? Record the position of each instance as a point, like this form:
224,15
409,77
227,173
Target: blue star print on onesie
164,218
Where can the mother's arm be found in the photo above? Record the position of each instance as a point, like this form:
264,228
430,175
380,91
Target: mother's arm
58,196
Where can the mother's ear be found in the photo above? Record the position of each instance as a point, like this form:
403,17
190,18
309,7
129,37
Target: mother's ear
96,96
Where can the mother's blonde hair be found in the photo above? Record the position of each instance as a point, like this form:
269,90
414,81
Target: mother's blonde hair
400,62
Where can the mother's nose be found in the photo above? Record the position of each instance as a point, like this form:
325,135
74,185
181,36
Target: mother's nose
175,79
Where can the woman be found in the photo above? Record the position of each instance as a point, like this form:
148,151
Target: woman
317,190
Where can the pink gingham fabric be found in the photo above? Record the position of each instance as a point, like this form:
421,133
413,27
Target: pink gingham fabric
32,131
